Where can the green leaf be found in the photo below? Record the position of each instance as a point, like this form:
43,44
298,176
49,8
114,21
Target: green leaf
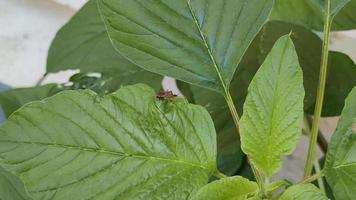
232,188
340,167
196,41
11,187
13,99
273,111
303,192
341,69
83,44
127,145
310,13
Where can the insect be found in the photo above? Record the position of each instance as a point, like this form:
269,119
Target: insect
166,95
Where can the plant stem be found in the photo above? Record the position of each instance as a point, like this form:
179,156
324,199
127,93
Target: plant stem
39,82
322,142
311,178
233,111
260,179
320,93
219,175
320,179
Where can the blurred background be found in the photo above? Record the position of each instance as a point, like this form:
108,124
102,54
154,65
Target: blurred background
28,27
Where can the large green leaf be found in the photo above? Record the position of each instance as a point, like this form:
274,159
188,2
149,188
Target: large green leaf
310,13
303,192
83,43
232,188
11,187
127,145
340,167
197,41
13,99
273,111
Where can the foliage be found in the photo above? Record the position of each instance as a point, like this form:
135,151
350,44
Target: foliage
107,134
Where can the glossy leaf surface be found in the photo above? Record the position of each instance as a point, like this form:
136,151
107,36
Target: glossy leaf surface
197,41
127,145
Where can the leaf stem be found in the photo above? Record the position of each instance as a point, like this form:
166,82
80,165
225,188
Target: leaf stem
219,175
312,178
320,93
320,179
233,111
261,180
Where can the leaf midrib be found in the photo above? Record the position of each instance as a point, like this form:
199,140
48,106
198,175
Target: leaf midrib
103,151
216,67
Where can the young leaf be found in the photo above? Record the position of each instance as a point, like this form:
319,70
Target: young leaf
309,13
273,111
127,145
11,187
11,100
236,188
303,192
83,43
340,166
197,41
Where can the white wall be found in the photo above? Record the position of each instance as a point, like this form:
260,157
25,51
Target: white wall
26,30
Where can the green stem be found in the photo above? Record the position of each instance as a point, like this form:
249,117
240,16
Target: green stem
320,179
320,94
233,111
260,179
312,178
219,175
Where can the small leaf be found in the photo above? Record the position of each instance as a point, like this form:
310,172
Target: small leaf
11,187
83,43
340,167
303,192
196,41
273,111
310,13
13,99
127,146
232,188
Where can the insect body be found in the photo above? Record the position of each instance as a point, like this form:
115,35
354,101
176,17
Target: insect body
166,95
